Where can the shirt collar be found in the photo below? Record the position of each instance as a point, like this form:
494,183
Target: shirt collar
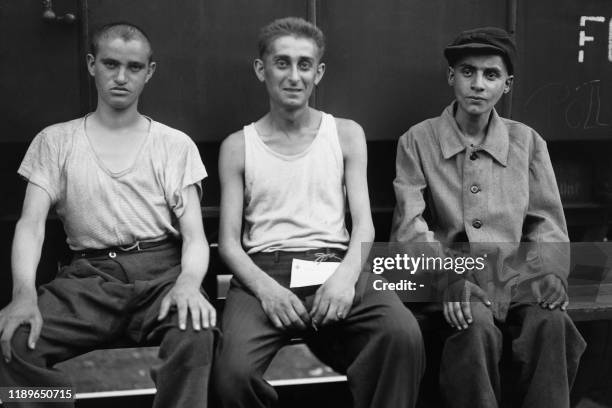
496,143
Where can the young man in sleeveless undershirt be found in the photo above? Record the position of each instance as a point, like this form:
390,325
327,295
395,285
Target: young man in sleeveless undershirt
285,181
127,190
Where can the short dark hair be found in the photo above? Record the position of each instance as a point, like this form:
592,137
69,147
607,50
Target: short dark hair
119,29
290,26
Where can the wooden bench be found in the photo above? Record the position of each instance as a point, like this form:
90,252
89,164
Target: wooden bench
590,303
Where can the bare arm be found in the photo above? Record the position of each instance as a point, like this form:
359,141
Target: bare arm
354,150
27,245
186,293
281,306
335,297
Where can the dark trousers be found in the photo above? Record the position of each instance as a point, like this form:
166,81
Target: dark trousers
547,351
99,299
378,345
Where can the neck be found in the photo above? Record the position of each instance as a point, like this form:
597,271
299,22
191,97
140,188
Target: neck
474,127
285,119
116,119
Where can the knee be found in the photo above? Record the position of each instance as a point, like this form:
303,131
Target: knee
192,348
402,332
232,374
482,327
21,354
19,342
549,322
19,346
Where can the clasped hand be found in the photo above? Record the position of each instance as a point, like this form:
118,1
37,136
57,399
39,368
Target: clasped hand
332,302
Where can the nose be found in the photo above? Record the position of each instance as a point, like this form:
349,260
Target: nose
121,77
294,74
477,82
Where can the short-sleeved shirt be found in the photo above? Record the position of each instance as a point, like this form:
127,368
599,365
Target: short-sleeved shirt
101,209
502,191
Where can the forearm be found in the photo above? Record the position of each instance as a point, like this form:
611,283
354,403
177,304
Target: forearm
243,267
195,255
361,240
26,250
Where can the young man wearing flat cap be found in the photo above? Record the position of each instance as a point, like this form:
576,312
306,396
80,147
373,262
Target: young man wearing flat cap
480,179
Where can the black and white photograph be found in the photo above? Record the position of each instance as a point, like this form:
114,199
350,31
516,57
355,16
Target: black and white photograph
306,203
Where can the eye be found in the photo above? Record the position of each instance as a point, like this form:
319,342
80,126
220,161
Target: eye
492,75
305,65
281,63
110,64
136,68
467,72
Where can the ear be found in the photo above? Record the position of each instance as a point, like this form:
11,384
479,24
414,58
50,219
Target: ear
150,70
320,72
258,67
508,83
450,76
91,60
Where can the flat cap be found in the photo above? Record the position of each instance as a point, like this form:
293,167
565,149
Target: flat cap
482,40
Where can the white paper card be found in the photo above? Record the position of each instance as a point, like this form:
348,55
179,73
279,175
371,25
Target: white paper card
310,273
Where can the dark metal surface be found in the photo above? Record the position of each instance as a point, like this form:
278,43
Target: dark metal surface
562,97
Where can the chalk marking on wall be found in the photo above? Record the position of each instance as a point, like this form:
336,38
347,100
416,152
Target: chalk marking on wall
583,38
610,42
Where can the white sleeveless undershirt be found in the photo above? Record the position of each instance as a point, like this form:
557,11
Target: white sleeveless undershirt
294,202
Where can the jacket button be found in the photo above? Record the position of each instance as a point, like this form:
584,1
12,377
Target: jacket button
474,189
476,224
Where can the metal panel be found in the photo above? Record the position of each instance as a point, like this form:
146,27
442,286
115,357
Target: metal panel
38,70
204,83
564,85
385,67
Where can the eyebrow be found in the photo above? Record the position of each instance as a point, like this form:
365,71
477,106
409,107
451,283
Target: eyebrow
466,65
493,69
287,57
106,60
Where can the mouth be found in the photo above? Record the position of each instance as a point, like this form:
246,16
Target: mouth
476,99
119,91
292,90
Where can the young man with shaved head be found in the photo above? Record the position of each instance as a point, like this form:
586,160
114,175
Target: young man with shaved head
127,190
285,181
485,179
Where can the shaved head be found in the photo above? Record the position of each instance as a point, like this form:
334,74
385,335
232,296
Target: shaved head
123,30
